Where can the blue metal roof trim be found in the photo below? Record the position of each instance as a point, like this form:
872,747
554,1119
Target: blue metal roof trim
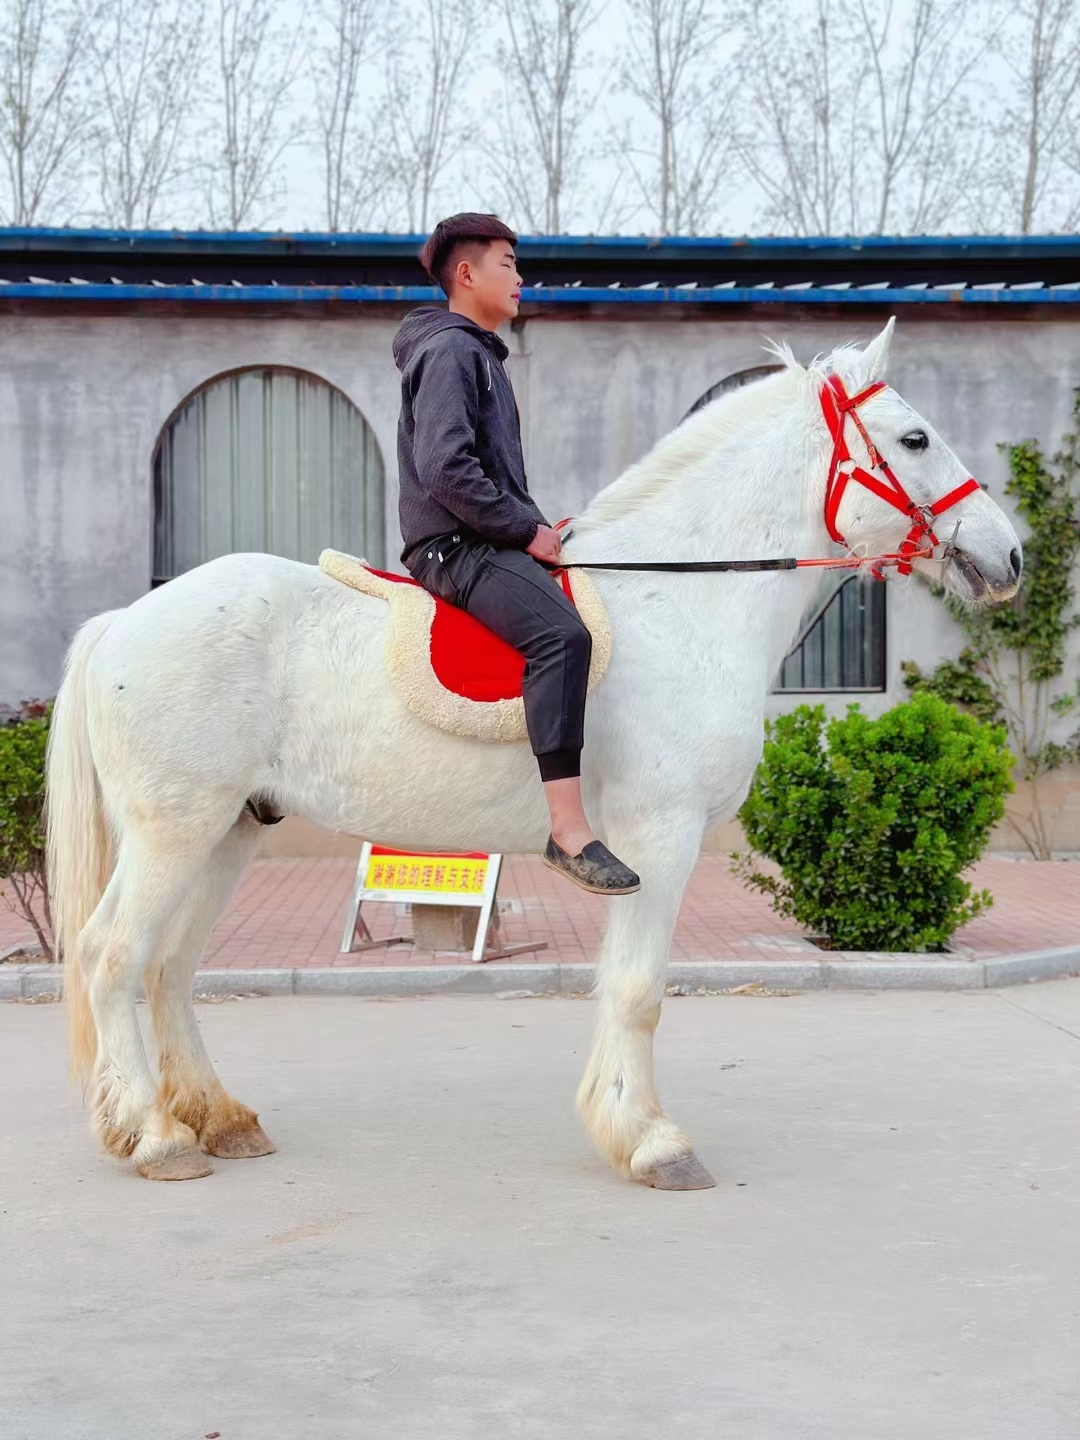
274,240
242,294
554,295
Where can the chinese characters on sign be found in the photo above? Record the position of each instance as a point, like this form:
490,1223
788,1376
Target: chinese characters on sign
446,875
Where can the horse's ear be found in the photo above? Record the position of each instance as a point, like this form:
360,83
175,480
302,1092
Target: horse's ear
876,353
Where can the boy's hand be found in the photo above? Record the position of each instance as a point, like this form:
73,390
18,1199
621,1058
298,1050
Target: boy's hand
545,545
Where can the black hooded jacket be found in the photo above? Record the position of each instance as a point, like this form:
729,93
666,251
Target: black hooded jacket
459,437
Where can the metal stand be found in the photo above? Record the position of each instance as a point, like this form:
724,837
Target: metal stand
482,952
358,937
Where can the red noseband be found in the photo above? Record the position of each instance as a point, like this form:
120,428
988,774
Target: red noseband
837,406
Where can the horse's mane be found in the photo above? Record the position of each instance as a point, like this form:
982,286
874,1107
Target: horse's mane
694,440
704,431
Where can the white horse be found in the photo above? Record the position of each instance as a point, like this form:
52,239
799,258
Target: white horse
253,676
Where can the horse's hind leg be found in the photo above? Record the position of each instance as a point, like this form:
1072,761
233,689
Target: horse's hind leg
617,1097
190,1088
117,944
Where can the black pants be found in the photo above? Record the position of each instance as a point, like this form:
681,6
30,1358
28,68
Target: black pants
510,593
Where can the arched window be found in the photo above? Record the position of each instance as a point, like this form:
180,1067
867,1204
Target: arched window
842,644
268,460
733,382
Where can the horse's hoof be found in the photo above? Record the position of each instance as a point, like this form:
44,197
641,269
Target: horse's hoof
181,1165
242,1143
684,1173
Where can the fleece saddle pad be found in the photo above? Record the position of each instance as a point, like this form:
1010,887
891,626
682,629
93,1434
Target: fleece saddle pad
450,670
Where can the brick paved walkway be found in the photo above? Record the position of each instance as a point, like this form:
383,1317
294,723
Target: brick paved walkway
291,912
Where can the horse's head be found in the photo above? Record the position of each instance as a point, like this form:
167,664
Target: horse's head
894,483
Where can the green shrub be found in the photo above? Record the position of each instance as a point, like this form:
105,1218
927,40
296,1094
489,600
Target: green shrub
24,733
1018,667
872,822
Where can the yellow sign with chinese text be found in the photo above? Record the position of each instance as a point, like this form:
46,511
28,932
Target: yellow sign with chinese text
427,874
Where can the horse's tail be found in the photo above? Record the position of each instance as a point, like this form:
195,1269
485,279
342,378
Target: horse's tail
78,839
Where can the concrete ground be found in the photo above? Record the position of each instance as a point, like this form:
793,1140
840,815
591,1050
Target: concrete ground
436,1252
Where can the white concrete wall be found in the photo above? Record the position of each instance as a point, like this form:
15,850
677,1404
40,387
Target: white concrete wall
82,402
83,399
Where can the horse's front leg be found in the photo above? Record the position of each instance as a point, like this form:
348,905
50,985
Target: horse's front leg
617,1097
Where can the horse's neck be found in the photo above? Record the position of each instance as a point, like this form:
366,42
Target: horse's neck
745,478
758,496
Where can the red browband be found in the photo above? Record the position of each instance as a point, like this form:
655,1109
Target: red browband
837,405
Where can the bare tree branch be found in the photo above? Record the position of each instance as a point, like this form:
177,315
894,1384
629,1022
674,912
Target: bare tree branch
426,99
42,107
1040,42
1070,158
794,142
350,128
674,48
251,128
540,143
32,896
147,60
612,209
855,112
913,97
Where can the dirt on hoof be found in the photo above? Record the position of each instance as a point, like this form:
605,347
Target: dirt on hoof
240,1143
685,1173
183,1165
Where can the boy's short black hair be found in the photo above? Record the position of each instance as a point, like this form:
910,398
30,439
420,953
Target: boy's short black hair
439,255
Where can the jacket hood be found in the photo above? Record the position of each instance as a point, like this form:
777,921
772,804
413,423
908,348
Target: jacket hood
419,326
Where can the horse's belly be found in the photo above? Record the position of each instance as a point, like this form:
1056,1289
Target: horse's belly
354,758
409,785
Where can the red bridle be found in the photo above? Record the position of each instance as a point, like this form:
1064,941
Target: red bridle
837,405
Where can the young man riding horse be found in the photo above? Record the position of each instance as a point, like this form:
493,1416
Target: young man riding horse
472,533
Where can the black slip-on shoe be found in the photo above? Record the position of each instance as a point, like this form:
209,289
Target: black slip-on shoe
596,869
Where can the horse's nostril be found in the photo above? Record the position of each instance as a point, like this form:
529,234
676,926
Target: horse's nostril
1016,561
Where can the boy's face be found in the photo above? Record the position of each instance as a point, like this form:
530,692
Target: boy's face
488,275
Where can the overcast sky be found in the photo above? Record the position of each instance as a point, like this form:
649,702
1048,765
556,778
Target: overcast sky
958,160
468,182
462,186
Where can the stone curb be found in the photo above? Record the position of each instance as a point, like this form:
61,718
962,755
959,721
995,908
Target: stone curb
840,971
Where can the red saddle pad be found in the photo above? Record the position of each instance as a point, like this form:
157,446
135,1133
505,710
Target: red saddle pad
466,656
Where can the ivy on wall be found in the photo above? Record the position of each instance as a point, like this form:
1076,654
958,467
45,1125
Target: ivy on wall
1015,669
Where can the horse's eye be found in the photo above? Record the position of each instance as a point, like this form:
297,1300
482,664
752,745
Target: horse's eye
917,440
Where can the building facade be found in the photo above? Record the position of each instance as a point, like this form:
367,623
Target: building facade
167,398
